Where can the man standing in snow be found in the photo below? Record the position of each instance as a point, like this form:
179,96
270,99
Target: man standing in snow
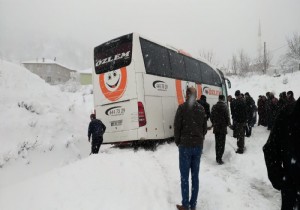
239,116
251,114
291,102
261,109
205,105
282,156
96,130
190,127
220,120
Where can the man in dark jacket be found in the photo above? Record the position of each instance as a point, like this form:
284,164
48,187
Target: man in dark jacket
282,102
273,110
205,105
220,120
239,117
282,156
96,130
251,114
261,109
291,102
190,127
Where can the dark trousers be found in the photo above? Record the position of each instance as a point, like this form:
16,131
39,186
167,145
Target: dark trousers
220,145
248,129
189,159
96,143
290,199
240,135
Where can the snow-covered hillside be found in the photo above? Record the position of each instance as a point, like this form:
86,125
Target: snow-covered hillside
39,120
45,163
260,84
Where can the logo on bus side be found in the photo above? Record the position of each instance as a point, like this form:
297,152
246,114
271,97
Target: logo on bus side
109,59
115,111
181,87
113,84
210,91
160,85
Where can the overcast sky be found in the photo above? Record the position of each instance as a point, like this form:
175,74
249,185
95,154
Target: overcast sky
70,29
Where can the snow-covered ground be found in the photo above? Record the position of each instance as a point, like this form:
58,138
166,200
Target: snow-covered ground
44,161
260,84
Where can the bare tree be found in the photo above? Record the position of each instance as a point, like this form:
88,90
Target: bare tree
208,55
262,63
244,63
234,64
291,60
294,47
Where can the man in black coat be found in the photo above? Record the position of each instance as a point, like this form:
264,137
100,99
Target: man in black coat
190,127
220,120
282,156
205,105
251,114
239,117
96,130
272,110
261,109
291,102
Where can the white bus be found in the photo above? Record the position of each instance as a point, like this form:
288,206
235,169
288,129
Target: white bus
138,85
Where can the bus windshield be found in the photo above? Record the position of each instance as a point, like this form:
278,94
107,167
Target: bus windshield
113,54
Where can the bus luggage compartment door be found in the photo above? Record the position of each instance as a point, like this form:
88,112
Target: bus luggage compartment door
154,114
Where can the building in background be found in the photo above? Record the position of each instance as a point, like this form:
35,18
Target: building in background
85,76
49,70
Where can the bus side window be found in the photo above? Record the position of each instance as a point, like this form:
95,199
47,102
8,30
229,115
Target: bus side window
177,66
192,67
207,75
156,59
216,79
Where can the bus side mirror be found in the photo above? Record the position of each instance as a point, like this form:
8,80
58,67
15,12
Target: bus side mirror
228,83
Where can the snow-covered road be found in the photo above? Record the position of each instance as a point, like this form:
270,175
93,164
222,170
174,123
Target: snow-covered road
128,179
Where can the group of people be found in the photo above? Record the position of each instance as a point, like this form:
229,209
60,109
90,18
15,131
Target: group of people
269,107
282,150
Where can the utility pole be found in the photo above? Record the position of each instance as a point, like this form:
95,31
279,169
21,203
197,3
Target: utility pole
265,58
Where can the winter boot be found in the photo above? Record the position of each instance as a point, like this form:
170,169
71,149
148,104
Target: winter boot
180,207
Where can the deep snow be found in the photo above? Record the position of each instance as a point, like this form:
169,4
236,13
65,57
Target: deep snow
54,171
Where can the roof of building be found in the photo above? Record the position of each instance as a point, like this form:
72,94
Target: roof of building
86,71
46,61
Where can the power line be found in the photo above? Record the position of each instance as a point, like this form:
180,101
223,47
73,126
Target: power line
278,48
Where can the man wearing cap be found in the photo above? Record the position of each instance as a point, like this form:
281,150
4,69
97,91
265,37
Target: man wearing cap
96,130
239,116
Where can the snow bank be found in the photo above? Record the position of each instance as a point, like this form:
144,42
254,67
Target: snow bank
123,179
37,116
260,84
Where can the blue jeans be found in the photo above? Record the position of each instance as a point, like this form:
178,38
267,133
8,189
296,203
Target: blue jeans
189,159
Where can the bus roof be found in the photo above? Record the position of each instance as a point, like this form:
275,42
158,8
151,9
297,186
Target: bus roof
178,51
